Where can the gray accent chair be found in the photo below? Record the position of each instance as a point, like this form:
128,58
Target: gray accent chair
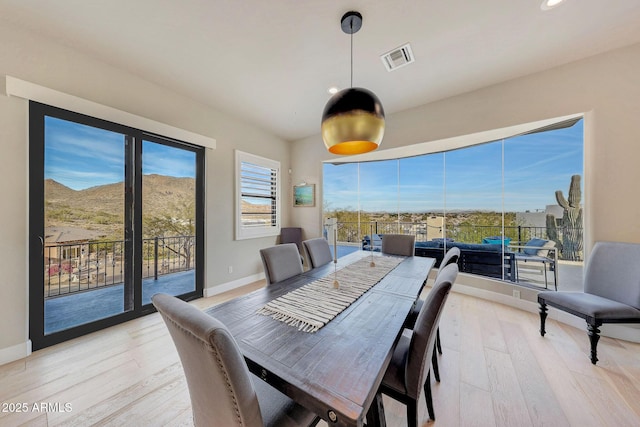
409,371
281,262
318,251
398,244
223,393
611,291
292,235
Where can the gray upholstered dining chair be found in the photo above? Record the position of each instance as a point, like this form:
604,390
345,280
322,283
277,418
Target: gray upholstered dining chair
318,251
398,244
281,262
409,371
611,291
223,393
450,257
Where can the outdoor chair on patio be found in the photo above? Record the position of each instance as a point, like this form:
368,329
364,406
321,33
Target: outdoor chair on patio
372,243
611,291
222,391
535,256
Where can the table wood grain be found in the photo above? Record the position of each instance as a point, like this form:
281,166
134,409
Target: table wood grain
336,371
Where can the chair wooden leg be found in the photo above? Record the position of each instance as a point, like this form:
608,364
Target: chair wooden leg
438,340
594,336
428,397
543,317
412,413
434,363
375,415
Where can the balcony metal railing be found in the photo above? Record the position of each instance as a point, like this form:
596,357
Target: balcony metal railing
354,232
78,267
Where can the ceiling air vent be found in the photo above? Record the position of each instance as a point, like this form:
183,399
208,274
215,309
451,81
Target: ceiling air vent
398,57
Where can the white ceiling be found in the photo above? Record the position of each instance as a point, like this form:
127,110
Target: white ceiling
272,62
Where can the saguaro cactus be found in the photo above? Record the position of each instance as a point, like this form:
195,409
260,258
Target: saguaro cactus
552,231
572,241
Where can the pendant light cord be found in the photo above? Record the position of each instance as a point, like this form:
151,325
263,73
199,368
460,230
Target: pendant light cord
351,26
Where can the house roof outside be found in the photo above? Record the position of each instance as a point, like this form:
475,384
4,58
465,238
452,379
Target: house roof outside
58,235
539,219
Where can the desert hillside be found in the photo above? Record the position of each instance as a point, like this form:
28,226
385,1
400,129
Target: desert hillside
102,207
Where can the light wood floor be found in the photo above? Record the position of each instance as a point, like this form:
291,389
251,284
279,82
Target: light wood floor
496,371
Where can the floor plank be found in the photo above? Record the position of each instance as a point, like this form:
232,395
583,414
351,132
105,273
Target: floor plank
541,402
476,407
509,406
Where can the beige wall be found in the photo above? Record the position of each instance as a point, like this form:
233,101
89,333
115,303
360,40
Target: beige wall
605,87
39,61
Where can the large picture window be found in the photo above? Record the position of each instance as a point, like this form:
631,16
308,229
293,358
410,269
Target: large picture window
499,201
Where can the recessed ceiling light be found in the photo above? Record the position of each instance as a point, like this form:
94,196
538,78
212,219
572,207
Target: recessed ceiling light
333,90
550,4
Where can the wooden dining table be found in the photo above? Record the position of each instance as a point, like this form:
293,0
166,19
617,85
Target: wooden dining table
336,371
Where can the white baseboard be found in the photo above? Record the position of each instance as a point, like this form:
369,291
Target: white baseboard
229,286
524,305
15,352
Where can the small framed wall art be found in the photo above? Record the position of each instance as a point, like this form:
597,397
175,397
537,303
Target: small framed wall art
304,195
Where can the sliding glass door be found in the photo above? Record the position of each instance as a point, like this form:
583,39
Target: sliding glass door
84,225
115,217
168,220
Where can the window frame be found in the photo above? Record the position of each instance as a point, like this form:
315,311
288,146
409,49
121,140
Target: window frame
134,307
244,232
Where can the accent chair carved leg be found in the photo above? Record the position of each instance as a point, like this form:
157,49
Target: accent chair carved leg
543,317
438,340
594,336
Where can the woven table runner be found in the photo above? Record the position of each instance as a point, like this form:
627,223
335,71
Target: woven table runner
313,305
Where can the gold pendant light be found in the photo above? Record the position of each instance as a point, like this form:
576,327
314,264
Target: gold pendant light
353,119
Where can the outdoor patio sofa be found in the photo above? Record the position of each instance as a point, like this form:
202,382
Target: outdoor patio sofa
483,259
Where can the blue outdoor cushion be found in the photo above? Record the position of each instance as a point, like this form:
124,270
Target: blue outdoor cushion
431,244
496,240
476,247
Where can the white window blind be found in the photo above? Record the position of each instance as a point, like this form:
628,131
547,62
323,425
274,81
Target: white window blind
258,195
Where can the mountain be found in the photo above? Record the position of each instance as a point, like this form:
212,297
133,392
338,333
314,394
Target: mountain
102,207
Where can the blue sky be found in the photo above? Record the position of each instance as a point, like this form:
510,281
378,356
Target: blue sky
535,166
80,156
